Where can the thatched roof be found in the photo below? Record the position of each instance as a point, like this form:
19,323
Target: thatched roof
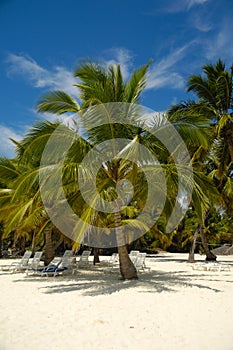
223,250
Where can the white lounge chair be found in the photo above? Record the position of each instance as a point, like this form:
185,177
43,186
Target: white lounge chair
35,263
82,262
84,258
133,255
140,262
51,269
112,262
114,259
57,266
18,266
211,266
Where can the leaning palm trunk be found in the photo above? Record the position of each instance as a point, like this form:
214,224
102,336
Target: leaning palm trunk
49,249
127,268
209,255
191,258
33,246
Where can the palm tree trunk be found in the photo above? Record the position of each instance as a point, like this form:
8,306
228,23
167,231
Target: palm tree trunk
33,247
127,268
191,258
96,256
49,249
209,255
59,242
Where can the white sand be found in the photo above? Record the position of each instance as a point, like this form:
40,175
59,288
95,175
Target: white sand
172,307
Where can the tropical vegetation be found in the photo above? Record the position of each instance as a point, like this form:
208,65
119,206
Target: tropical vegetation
206,127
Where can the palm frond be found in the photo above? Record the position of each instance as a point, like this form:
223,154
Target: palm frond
136,84
57,102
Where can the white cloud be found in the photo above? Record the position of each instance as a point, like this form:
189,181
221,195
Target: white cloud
191,3
220,45
7,146
59,78
183,5
201,23
163,73
122,57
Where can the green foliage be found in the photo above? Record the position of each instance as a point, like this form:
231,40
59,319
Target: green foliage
205,126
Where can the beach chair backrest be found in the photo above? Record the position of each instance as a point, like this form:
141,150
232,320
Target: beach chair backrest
35,263
85,255
113,258
67,254
134,255
84,258
38,255
25,258
140,261
67,258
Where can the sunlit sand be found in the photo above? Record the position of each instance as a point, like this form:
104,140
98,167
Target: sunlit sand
170,307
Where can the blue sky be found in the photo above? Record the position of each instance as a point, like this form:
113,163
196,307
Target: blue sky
42,41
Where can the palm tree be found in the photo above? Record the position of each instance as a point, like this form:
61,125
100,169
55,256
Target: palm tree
101,85
98,87
22,209
214,102
214,91
215,94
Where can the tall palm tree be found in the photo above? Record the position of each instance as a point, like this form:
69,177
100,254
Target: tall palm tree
214,92
99,86
213,89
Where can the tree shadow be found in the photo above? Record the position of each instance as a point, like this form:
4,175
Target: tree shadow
94,284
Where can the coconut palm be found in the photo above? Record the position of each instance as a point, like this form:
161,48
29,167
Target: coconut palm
214,91
22,209
99,85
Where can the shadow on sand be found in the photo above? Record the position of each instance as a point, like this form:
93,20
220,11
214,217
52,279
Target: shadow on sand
94,283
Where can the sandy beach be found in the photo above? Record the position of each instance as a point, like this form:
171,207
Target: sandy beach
169,308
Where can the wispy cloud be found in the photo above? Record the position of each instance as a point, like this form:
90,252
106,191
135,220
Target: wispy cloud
220,43
123,57
172,6
201,22
39,77
191,3
6,145
165,72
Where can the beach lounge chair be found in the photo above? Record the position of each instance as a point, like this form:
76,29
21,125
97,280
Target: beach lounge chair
35,263
51,269
18,266
140,263
211,266
82,262
133,255
84,258
112,262
114,259
138,260
199,266
57,265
